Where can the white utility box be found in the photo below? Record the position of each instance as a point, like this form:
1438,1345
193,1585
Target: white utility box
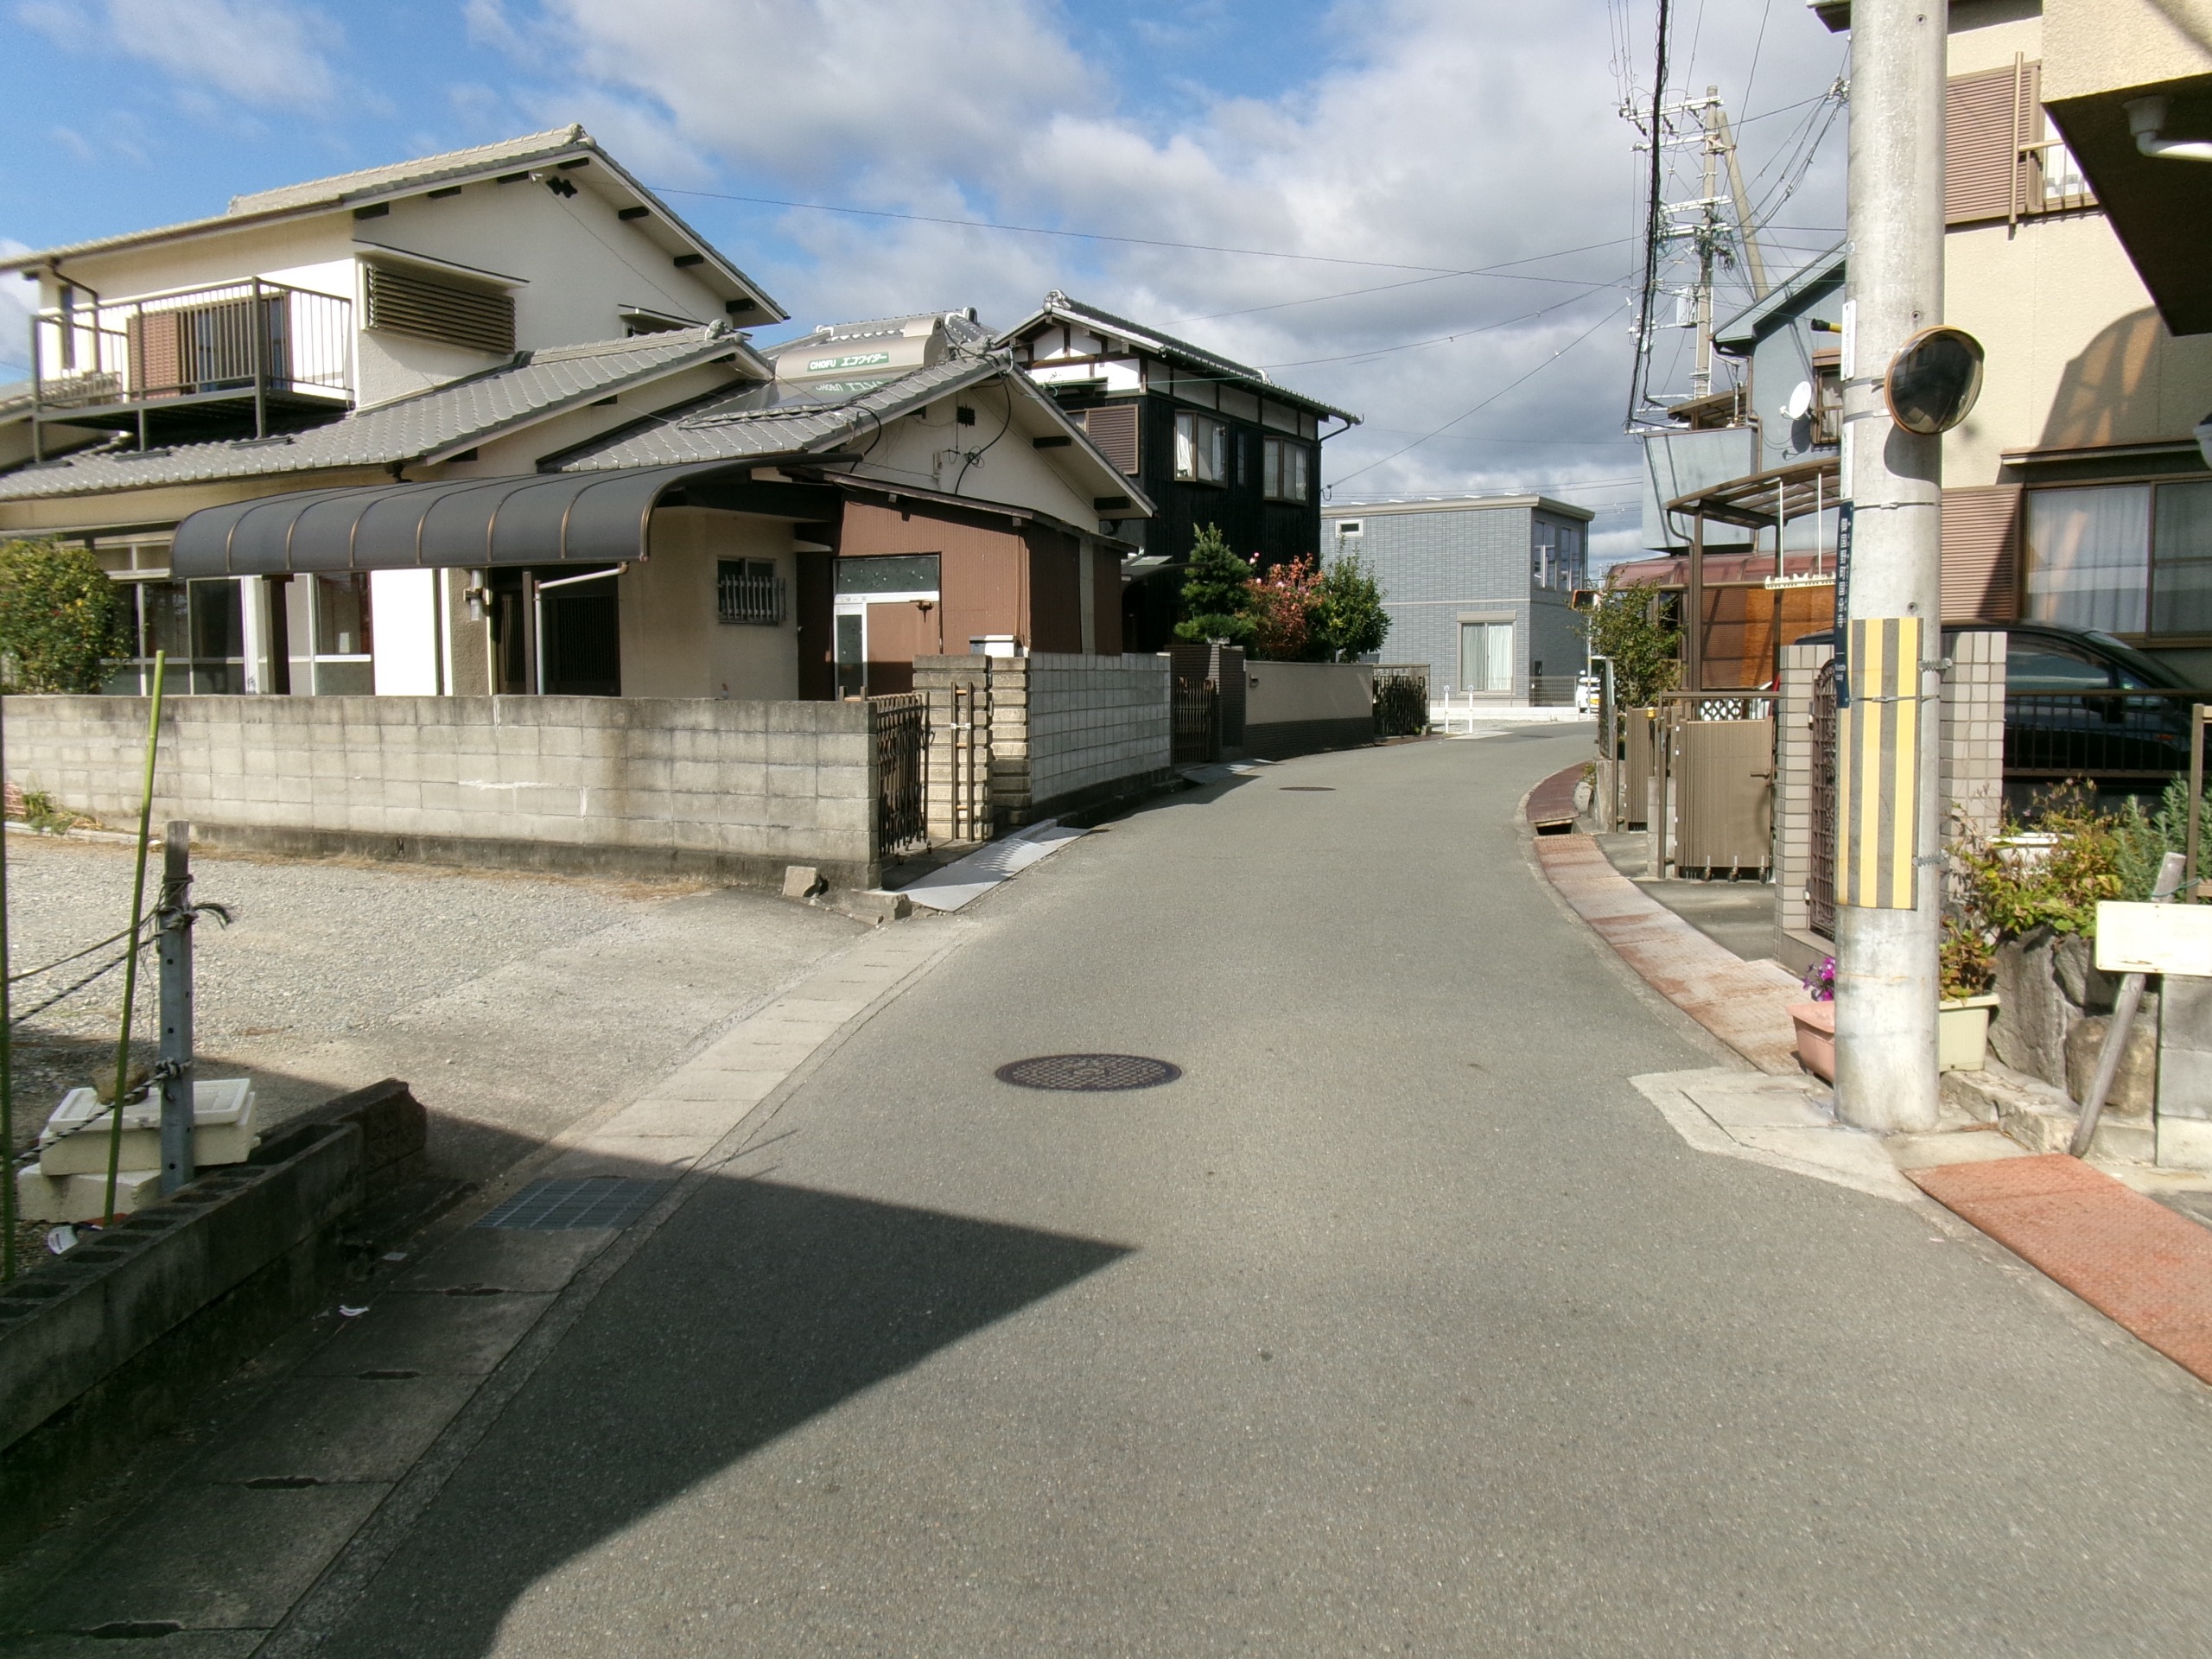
75,1139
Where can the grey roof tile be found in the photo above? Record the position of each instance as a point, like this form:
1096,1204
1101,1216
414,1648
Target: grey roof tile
442,419
781,420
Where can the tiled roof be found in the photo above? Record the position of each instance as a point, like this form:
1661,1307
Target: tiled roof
426,169
440,420
768,420
1058,306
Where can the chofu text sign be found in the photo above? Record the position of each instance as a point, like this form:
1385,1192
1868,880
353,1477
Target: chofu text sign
2155,939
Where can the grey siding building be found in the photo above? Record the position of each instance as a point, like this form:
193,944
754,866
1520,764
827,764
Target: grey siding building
1478,587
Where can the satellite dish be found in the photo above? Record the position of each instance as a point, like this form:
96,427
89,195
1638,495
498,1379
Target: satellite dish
1801,401
1934,380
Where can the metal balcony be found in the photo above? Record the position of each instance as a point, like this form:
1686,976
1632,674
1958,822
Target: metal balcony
236,361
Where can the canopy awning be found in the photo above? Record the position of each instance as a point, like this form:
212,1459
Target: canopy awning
538,518
1762,500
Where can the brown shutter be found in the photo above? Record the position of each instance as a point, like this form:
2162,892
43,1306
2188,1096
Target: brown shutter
1981,541
409,302
1113,428
1983,119
156,368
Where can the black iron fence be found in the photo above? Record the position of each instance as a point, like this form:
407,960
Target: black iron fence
900,725
1400,700
1820,876
2109,737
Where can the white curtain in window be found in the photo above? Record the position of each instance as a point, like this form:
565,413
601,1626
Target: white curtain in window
2181,580
1486,656
2089,555
1186,447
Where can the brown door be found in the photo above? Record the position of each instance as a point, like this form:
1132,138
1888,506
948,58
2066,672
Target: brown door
897,634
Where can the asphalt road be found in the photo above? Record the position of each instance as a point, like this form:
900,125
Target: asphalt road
1401,1324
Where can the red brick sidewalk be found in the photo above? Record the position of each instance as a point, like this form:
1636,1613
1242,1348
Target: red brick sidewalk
2134,1260
1740,1003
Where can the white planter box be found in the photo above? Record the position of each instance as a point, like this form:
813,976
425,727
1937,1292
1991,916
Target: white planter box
1962,1032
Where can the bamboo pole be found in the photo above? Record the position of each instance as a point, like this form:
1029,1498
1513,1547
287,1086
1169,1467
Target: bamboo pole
131,942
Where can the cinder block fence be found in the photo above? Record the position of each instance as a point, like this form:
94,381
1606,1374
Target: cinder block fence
640,785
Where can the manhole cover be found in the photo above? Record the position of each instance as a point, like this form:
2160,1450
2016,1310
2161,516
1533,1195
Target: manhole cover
1088,1073
595,1201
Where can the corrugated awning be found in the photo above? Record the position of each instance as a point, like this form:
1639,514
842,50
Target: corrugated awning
539,518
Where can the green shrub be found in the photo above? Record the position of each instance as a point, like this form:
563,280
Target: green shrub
1217,593
61,621
1630,627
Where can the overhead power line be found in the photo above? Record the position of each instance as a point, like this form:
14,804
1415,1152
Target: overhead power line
1651,209
1133,241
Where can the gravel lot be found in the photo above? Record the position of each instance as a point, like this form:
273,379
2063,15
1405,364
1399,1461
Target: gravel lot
514,1003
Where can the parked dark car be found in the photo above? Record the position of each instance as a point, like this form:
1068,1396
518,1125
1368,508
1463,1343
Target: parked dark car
2083,704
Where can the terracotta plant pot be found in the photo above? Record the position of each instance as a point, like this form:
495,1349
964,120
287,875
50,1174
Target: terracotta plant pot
1815,1037
1962,1032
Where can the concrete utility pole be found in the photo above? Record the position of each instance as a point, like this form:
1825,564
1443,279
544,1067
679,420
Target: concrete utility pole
1886,978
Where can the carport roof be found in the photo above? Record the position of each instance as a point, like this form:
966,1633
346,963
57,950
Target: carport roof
538,518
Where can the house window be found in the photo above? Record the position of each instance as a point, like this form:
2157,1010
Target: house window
327,633
2126,558
1555,556
1201,448
200,624
748,590
1285,471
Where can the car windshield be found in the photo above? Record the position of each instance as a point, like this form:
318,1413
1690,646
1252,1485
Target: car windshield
2136,668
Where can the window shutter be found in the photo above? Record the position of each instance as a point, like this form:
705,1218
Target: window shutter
1113,428
157,361
1984,122
1981,541
410,302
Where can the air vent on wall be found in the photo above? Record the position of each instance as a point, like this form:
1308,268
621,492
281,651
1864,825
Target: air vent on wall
410,302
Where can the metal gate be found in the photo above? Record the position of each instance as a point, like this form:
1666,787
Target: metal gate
1820,879
900,725
1197,722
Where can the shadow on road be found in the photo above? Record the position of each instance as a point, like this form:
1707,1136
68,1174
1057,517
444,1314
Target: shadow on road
756,1307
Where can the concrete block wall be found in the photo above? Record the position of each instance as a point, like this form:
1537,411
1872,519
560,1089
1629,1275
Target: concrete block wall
1065,731
645,786
1096,722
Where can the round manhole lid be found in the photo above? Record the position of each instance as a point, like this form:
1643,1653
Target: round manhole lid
1088,1073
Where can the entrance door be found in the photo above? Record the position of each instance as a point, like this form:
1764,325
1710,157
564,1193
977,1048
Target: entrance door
581,633
1486,657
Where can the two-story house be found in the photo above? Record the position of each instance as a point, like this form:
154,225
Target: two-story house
1207,440
1479,588
489,421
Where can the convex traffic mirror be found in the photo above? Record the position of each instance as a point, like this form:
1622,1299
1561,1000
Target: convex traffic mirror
1933,380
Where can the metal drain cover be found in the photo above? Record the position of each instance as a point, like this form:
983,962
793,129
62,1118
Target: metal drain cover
1308,789
1088,1073
561,1206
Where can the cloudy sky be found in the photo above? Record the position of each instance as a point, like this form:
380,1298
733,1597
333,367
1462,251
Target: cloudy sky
1422,210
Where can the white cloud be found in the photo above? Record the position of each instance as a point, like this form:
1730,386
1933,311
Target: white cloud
1437,133
269,54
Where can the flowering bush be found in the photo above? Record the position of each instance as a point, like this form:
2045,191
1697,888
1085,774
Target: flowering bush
1283,606
1819,980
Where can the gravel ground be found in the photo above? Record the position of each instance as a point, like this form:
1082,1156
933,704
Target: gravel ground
514,1003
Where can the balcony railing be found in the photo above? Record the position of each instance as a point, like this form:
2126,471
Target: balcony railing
282,351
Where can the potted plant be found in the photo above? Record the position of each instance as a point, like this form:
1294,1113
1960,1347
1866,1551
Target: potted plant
1815,1020
1968,967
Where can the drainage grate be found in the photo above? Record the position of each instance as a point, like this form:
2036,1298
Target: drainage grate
595,1201
1308,789
1088,1073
